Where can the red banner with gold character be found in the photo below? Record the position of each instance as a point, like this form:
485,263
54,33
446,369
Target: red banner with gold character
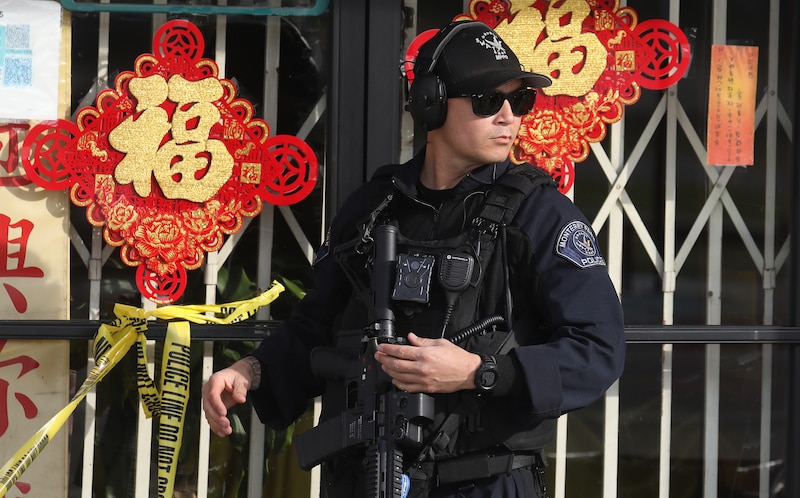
169,161
599,56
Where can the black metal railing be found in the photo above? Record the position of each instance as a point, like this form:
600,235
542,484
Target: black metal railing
258,329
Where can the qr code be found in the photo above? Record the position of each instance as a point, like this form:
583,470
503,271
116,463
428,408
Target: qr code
18,72
18,37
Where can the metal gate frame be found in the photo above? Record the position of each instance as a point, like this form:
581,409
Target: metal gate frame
769,259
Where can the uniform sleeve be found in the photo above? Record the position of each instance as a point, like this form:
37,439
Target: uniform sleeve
584,352
288,382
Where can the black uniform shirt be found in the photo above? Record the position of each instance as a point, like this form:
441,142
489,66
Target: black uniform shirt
582,355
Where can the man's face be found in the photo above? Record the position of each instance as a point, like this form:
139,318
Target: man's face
472,140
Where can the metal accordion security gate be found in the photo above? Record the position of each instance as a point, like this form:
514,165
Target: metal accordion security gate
704,223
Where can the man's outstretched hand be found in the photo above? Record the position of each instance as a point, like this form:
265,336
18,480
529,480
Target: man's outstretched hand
224,389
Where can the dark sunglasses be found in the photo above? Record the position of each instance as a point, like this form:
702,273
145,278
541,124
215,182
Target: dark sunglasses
489,104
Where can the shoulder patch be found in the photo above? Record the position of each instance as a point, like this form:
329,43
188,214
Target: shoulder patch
577,243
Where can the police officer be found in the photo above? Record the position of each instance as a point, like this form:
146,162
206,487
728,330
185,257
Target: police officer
529,258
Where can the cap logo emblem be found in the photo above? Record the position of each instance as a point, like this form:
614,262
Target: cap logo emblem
490,41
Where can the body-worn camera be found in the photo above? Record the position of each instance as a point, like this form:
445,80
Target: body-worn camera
413,282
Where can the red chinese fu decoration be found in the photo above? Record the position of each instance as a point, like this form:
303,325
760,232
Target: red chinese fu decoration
598,55
169,162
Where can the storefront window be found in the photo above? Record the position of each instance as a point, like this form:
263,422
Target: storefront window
114,42
690,247
697,246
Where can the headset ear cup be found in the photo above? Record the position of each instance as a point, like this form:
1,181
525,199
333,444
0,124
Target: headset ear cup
427,101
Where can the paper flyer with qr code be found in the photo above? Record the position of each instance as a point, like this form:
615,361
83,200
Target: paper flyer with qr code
30,35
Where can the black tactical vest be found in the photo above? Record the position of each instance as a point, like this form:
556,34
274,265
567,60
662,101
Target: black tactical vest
477,226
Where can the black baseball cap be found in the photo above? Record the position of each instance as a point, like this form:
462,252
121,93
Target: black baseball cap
470,57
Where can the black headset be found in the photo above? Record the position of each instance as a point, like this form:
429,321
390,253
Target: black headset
427,97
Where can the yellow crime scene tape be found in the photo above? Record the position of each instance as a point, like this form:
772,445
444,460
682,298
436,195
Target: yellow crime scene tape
168,402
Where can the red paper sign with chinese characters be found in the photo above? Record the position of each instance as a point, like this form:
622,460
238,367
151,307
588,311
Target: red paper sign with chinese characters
732,105
169,162
34,248
598,55
13,250
34,386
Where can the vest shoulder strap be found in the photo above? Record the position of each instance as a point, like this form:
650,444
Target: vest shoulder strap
500,205
507,193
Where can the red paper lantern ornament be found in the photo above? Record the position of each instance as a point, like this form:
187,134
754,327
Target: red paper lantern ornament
161,289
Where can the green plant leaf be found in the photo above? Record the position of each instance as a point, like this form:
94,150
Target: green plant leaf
294,287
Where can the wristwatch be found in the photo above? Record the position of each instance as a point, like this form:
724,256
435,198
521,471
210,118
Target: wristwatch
487,376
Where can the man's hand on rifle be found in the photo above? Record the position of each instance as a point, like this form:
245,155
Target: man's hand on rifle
223,390
428,365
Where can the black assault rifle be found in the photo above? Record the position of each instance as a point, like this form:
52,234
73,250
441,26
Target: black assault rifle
377,416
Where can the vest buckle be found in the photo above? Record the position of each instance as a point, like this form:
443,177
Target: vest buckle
485,226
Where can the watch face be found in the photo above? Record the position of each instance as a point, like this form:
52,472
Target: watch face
488,379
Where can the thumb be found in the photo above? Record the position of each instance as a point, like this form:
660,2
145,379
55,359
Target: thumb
416,340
